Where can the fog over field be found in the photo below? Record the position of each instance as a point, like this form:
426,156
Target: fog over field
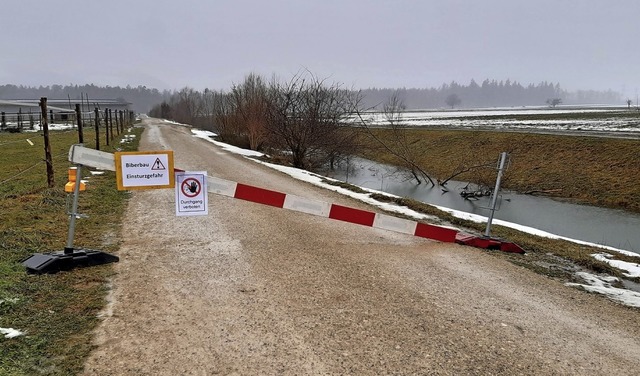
580,44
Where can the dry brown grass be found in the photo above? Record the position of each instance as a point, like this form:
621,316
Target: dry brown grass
589,170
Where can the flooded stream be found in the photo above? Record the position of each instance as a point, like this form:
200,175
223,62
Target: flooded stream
614,228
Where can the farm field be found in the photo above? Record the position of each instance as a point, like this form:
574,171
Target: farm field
607,121
573,165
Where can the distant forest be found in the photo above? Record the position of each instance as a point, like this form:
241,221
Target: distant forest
142,99
489,93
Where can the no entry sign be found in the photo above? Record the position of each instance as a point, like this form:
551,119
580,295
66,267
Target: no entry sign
191,193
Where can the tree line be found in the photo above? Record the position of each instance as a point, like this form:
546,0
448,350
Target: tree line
489,93
140,97
300,119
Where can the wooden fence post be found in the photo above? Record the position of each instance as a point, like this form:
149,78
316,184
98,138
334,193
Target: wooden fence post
111,123
79,122
20,119
3,124
47,145
117,122
97,126
106,125
51,116
122,120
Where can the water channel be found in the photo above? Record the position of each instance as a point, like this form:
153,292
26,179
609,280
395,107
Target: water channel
615,228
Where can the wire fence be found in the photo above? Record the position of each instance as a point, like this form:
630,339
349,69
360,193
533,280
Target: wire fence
31,120
111,123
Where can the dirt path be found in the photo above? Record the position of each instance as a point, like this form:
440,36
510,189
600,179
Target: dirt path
252,290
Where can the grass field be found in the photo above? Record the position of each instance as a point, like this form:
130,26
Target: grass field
589,170
56,312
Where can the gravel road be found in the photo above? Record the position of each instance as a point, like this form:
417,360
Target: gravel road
257,290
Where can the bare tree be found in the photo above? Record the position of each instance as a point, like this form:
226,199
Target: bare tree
224,123
397,141
186,108
250,101
305,117
554,101
452,100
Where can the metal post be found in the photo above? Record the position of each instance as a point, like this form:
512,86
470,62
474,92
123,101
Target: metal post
496,190
74,212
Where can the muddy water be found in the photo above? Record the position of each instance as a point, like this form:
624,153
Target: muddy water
614,228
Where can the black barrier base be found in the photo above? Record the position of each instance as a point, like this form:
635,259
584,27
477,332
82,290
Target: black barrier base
53,262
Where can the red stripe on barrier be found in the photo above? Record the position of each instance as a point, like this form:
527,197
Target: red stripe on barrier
344,213
259,195
436,233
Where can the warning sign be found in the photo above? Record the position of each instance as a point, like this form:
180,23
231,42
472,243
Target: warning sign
144,170
157,165
191,193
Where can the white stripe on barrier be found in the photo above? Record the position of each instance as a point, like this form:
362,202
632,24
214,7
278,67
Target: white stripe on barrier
306,205
387,222
221,186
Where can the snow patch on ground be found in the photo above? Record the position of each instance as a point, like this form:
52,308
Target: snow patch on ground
602,285
128,138
52,127
632,269
10,332
176,123
206,135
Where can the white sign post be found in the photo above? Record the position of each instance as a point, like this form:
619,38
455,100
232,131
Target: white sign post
144,170
191,193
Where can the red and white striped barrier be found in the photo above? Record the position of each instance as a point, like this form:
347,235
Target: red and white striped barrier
327,210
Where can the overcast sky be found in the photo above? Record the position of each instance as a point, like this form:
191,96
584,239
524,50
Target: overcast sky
582,44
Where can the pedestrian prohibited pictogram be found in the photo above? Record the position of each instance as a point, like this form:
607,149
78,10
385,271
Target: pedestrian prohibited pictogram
191,193
191,187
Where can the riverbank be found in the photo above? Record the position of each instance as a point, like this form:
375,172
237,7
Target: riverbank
561,259
588,170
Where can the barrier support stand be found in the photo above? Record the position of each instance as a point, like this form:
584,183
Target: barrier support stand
69,258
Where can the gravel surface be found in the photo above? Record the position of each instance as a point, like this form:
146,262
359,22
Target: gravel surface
257,290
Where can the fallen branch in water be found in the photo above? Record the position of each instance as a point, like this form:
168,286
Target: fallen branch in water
543,191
